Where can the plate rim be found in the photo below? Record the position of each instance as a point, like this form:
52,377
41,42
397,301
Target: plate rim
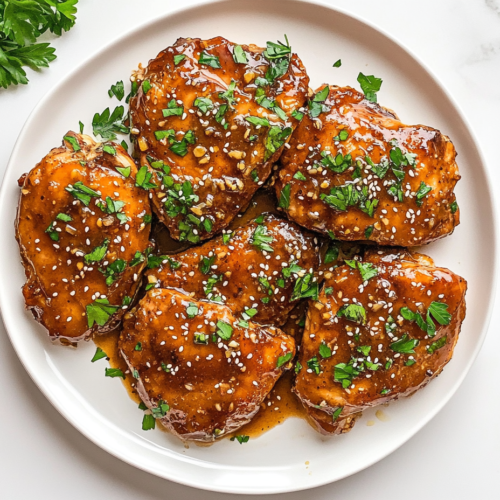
187,9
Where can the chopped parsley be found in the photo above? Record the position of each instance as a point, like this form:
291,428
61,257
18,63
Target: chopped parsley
99,312
204,104
325,351
143,178
99,354
179,58
261,239
257,120
370,85
224,330
113,270
353,312
276,137
81,192
299,176
239,55
240,438
313,364
98,253
173,109
337,63
209,60
114,372
305,288
431,349
117,90
73,141
366,269
422,192
282,360
405,345
316,104
284,201
344,373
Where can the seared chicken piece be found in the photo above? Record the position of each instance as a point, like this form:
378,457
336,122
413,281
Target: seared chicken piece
198,370
260,270
210,118
353,169
382,328
80,222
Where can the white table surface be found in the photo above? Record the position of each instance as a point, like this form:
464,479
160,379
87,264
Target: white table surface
456,456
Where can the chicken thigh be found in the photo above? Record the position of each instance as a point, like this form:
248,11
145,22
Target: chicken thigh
260,270
355,171
382,328
80,222
201,371
209,119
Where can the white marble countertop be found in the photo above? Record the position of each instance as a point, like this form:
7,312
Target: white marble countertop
456,456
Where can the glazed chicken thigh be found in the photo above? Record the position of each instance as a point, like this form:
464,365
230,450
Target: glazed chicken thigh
209,119
260,270
382,328
80,222
355,171
201,371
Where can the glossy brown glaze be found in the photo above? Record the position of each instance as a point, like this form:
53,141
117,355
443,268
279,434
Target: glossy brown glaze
242,275
226,158
352,125
62,280
380,371
212,389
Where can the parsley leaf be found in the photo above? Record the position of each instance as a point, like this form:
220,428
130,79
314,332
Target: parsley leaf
99,312
224,330
353,312
73,141
240,438
316,104
114,372
209,60
337,64
404,345
117,90
344,373
441,342
422,192
257,120
108,124
325,351
143,177
276,137
370,85
179,58
284,201
313,364
204,104
98,253
239,55
148,422
261,239
81,192
99,354
305,288
282,360
173,109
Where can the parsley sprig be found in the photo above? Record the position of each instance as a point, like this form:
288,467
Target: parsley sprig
21,24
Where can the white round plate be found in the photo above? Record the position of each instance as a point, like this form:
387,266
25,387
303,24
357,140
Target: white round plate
275,462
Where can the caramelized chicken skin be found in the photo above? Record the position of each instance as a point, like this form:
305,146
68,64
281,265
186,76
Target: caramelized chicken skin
80,223
263,268
210,118
382,328
354,169
201,373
